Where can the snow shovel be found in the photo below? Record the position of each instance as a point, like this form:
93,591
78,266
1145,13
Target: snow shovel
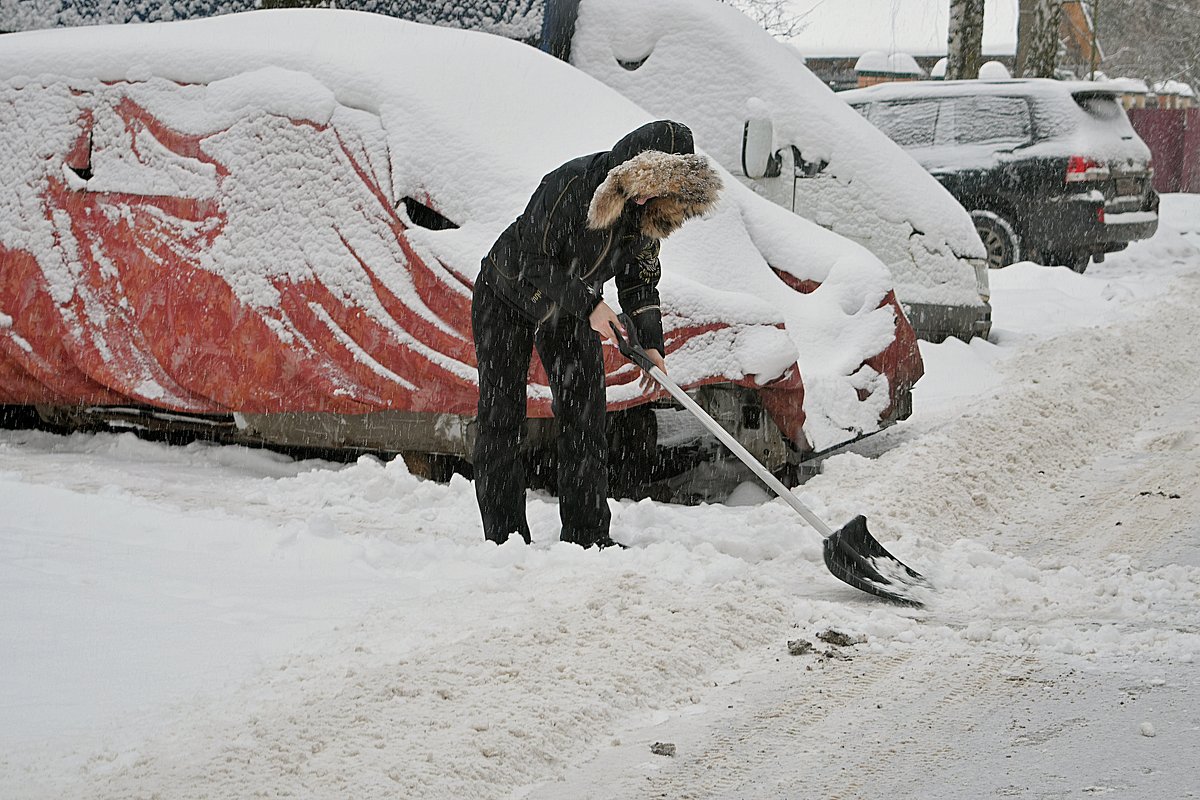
852,554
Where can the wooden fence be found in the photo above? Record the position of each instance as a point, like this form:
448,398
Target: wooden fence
1173,135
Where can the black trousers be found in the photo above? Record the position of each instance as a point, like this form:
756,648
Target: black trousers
570,351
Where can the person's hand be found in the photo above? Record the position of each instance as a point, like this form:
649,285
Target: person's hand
602,319
647,382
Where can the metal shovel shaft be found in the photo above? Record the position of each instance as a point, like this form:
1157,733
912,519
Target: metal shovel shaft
852,554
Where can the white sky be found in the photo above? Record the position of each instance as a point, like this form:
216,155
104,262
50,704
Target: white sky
917,27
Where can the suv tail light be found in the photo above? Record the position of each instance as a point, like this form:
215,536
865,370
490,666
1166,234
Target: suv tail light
1082,168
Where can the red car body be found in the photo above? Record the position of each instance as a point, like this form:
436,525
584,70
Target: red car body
126,302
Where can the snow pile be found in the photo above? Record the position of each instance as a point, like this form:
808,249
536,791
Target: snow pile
1048,301
709,66
1033,302
878,61
1175,88
993,71
360,113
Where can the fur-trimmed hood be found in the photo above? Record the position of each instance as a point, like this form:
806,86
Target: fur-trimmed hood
579,229
683,185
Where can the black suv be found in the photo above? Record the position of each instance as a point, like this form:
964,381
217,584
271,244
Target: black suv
1051,171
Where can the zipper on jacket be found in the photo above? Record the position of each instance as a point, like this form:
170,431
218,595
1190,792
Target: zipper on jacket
600,259
550,216
500,272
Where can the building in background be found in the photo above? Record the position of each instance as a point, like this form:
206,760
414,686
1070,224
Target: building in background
834,36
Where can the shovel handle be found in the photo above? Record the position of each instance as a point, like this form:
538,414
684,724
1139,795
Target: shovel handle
634,352
630,347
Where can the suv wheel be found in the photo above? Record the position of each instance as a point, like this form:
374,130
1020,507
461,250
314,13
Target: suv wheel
999,237
1075,261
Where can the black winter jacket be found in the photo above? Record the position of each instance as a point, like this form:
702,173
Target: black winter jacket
549,262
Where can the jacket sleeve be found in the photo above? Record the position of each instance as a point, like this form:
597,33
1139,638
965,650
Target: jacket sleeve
546,249
637,291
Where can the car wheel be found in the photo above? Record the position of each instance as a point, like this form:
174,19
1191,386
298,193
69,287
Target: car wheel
999,237
632,450
1075,261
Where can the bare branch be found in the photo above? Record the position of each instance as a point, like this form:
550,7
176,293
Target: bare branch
776,16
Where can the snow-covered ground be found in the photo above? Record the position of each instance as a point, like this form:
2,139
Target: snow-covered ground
218,622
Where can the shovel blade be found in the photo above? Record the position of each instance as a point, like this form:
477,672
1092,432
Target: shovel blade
855,557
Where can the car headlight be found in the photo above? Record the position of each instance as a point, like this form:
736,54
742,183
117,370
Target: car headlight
981,279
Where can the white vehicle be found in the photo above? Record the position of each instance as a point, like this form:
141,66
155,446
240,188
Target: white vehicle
267,225
757,109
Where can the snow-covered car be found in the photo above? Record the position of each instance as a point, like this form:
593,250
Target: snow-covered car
709,66
267,225
1051,171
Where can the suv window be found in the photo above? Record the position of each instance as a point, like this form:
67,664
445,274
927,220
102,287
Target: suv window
907,123
1100,106
1105,113
991,120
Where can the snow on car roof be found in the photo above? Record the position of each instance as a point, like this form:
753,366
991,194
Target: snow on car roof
1028,87
1063,124
468,120
709,66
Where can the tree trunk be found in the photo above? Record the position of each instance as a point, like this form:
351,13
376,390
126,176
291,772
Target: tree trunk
1037,38
965,44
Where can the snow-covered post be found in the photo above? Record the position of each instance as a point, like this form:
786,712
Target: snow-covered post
965,42
1037,38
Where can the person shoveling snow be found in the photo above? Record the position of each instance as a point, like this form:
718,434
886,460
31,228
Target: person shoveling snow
595,218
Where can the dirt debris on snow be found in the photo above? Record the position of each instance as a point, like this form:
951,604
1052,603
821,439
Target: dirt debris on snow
799,647
663,749
840,638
